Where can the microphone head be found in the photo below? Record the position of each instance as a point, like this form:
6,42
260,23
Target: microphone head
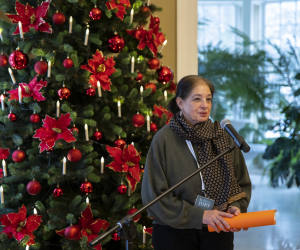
224,122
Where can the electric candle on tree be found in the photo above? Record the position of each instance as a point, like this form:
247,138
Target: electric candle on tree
20,94
102,165
99,89
70,24
4,168
148,123
87,200
148,2
57,109
2,102
141,91
86,129
1,37
34,211
2,195
12,75
131,16
162,47
86,37
119,109
165,95
64,166
132,65
129,190
21,30
49,69
144,235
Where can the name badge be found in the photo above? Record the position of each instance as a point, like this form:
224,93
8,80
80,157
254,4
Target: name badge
204,203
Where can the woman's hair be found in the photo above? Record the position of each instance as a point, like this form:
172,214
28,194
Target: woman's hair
185,87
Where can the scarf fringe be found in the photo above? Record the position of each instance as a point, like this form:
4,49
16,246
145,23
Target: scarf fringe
232,199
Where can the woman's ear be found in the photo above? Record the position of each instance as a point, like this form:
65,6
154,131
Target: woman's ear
179,102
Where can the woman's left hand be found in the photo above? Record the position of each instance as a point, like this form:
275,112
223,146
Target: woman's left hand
236,211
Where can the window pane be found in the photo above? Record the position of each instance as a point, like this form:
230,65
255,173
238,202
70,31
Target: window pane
227,15
288,12
272,15
287,33
211,12
272,32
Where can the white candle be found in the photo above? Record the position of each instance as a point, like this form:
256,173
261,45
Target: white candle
132,143
86,128
165,95
49,69
163,45
119,109
87,200
99,89
12,75
144,235
129,190
27,247
2,195
4,168
131,16
86,36
1,37
102,165
64,166
34,211
57,109
2,102
148,123
20,94
21,30
132,65
141,91
70,24
148,2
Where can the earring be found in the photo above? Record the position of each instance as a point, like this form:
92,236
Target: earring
180,113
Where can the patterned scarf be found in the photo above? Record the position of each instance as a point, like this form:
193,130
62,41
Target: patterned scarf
220,182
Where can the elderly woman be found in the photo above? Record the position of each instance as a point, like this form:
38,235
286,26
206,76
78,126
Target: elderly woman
177,150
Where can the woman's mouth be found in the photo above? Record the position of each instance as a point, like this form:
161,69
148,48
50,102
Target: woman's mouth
203,113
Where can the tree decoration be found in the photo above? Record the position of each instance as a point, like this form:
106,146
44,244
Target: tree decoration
59,18
126,160
115,236
18,156
12,117
31,17
18,226
160,111
120,5
139,77
33,187
116,43
3,60
72,232
151,86
86,187
97,135
41,67
120,143
145,10
165,75
49,150
68,63
153,127
122,189
53,130
95,13
91,91
75,129
4,153
18,60
57,192
35,118
153,63
156,20
74,155
172,88
29,90
132,211
64,93
1,173
138,120
100,70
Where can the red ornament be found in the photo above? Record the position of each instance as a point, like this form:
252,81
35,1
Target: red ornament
57,192
116,43
68,63
18,59
138,34
90,91
138,120
59,18
139,77
97,135
75,129
151,86
95,13
145,10
12,117
72,232
49,150
156,20
41,67
74,155
122,189
115,236
64,93
132,211
18,156
165,75
33,187
153,127
35,118
3,60
86,187
153,63
120,143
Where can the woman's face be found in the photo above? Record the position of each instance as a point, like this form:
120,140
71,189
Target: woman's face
197,106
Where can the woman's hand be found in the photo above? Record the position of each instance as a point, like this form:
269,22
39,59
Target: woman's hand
236,211
214,218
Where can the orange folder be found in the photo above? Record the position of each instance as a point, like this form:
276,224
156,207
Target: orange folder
253,219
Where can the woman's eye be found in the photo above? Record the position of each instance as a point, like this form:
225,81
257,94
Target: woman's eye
209,99
197,99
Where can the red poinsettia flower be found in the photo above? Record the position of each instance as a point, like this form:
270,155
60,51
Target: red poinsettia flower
126,160
18,226
29,90
120,5
159,111
1,173
4,152
31,17
149,230
172,88
53,130
101,69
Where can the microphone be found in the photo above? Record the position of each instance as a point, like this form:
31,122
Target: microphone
239,140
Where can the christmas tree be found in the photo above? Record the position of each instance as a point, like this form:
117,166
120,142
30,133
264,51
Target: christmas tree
83,93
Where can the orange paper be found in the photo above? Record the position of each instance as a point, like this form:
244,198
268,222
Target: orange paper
253,219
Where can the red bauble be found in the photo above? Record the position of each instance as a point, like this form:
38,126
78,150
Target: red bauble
139,77
95,13
115,236
137,34
97,135
116,43
86,187
156,20
138,120
132,211
18,59
153,127
90,91
12,117
68,63
35,118
120,144
165,75
75,129
153,63
18,156
3,60
41,67
64,93
33,187
74,155
59,18
145,10
122,189
57,192
72,232
151,86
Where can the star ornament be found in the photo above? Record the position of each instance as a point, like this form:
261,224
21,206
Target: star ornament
29,90
121,5
126,160
100,69
4,153
31,17
17,225
53,130
159,111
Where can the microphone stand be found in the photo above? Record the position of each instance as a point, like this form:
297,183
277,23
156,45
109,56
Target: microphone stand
126,226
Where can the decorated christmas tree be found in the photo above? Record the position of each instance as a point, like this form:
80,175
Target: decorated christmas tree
83,93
